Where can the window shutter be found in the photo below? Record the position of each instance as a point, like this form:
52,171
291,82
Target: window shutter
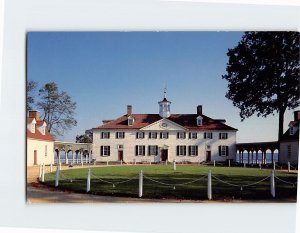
204,135
101,150
197,150
149,150
177,134
227,151
117,135
109,150
220,135
190,150
219,150
143,134
226,135
149,134
137,133
189,135
184,150
143,150
167,135
156,150
177,150
136,150
108,134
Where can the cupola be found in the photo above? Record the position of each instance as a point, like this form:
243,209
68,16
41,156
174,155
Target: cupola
164,107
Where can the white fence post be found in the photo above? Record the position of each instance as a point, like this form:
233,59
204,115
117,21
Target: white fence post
134,162
43,173
106,163
174,165
141,184
51,167
59,166
229,162
244,165
81,163
214,163
289,166
57,177
209,193
40,171
95,162
274,166
259,165
166,162
121,162
88,181
272,183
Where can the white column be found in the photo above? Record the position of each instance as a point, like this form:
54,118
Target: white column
274,165
76,153
229,163
289,166
40,171
259,165
43,173
57,177
72,157
86,158
141,183
81,161
209,189
214,163
67,160
59,157
272,184
88,181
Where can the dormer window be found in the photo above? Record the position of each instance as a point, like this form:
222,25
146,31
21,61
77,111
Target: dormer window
199,120
32,128
130,120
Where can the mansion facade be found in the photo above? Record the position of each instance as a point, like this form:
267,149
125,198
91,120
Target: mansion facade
164,137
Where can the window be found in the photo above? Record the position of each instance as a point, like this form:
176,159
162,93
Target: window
164,135
32,128
120,134
193,135
140,134
289,151
120,147
223,151
45,150
223,135
193,150
181,135
207,147
139,150
130,120
105,150
181,151
153,135
152,150
291,130
105,135
208,135
199,121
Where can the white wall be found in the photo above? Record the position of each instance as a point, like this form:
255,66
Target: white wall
39,146
130,141
283,156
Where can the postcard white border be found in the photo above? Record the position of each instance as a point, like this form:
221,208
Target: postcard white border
93,15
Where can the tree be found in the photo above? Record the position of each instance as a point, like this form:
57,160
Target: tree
85,138
58,109
30,89
263,74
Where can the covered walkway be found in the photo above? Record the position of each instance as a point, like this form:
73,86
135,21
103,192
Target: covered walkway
256,147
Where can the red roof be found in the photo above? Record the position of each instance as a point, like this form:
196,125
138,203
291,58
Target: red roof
187,121
40,136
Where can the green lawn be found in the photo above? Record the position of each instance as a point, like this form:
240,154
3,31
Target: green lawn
75,180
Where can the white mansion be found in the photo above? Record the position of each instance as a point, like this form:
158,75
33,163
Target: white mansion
164,136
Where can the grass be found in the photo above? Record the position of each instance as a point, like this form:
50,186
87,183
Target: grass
75,180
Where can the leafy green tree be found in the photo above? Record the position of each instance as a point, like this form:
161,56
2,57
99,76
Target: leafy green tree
263,74
58,109
30,90
85,138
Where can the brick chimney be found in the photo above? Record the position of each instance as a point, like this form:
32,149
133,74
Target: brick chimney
129,110
199,110
34,114
297,115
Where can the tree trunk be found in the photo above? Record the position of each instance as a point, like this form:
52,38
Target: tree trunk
281,121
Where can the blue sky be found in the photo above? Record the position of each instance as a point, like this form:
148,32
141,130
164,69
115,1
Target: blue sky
105,71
